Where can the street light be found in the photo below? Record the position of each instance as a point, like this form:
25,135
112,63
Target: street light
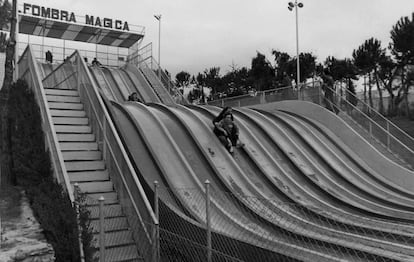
158,17
290,7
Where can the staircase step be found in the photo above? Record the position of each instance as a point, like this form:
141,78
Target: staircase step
88,176
81,155
84,165
68,113
109,211
116,239
96,186
110,224
75,137
70,121
110,198
73,129
66,99
61,92
78,146
127,253
69,106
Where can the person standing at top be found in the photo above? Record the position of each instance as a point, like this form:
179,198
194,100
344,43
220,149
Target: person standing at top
49,57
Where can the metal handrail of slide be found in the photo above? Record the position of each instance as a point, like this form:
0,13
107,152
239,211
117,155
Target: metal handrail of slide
372,110
103,125
150,63
371,123
58,164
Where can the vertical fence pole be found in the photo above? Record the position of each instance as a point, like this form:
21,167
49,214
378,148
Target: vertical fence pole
208,226
104,146
320,94
76,196
101,230
156,229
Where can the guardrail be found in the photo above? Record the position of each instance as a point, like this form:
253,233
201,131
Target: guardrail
135,204
29,71
106,58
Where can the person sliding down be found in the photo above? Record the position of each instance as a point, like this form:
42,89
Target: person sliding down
227,132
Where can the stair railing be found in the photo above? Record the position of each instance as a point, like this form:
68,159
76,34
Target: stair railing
338,104
29,70
136,206
373,113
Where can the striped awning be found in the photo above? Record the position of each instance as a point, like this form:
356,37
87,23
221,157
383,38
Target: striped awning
39,26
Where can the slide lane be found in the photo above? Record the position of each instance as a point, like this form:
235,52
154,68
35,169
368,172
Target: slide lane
392,174
323,174
136,86
177,173
346,164
118,95
294,219
295,227
142,84
101,82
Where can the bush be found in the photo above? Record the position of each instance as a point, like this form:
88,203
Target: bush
32,169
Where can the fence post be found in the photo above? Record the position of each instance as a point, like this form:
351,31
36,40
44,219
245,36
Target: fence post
104,146
156,229
101,230
320,94
208,226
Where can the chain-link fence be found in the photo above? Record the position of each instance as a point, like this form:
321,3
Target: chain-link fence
249,228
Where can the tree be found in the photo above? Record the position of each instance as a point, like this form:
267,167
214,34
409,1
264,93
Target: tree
5,15
212,79
402,47
284,68
182,79
4,98
367,59
261,72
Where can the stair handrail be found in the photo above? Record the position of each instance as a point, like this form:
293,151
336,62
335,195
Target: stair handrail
109,124
389,135
51,137
371,109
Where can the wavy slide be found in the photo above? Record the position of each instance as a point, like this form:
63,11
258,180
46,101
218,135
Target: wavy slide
331,199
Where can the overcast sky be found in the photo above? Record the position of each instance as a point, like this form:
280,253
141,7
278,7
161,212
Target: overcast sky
200,34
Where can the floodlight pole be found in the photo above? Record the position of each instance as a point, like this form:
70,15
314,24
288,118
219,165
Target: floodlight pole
290,7
297,49
158,17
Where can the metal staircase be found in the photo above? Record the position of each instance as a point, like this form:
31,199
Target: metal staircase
85,166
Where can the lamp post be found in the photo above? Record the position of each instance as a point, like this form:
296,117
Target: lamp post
158,17
290,7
